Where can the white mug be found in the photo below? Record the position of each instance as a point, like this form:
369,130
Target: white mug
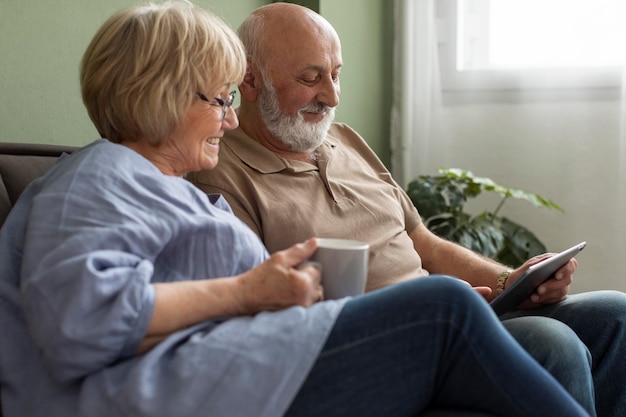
343,265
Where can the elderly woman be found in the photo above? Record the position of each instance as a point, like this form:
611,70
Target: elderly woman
128,292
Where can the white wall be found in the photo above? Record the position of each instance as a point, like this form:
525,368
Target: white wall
568,151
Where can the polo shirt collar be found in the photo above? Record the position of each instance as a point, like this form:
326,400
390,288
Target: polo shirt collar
265,161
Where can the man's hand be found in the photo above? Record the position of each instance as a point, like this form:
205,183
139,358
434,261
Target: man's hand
552,291
483,291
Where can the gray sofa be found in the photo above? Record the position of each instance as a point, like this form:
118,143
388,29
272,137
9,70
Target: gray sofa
19,165
22,163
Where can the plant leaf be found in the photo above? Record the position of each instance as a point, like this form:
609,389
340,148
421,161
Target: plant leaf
440,200
520,244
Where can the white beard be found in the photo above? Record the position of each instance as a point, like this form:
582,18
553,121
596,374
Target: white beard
298,134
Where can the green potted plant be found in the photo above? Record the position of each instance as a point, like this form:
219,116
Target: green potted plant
440,200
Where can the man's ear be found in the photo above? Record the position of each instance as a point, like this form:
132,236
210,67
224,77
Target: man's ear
250,87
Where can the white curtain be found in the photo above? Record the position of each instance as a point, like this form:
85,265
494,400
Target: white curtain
622,141
417,92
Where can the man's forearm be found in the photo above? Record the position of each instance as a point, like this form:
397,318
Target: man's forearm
440,256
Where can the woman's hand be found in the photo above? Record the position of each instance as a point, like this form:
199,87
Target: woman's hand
275,284
278,282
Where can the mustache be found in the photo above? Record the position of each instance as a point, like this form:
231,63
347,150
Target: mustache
316,107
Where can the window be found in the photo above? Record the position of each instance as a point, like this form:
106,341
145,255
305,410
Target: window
531,44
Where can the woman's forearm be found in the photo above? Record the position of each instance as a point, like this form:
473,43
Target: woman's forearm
179,305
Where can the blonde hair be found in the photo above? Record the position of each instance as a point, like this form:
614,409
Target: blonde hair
143,67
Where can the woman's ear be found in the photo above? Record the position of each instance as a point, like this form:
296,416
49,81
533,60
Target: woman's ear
250,87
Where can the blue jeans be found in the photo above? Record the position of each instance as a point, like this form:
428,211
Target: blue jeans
431,342
597,321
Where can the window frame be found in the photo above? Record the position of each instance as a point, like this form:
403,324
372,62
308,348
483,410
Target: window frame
591,82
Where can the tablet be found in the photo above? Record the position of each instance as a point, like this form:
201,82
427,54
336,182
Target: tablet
534,276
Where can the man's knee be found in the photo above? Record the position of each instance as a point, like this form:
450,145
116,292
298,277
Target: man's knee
559,350
552,343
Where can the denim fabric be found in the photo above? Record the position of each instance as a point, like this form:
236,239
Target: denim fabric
599,320
559,350
431,342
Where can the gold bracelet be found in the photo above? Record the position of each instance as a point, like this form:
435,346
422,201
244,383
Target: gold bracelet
502,281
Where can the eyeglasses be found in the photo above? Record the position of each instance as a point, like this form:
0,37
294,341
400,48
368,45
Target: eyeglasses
225,104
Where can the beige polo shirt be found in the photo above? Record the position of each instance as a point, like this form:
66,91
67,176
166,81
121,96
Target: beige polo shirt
350,195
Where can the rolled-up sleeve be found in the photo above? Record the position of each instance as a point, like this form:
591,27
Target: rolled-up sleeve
82,325
86,273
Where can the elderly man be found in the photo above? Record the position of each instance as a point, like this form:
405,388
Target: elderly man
289,172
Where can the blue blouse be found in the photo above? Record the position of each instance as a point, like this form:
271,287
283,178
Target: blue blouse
78,255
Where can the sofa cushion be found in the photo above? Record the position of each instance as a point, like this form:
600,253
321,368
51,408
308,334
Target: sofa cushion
21,163
5,202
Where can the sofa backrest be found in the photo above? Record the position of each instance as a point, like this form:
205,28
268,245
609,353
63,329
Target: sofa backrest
20,163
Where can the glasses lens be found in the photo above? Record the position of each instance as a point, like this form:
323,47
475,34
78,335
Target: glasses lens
228,103
231,97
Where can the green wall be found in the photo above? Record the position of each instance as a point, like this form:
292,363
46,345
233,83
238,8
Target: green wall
41,44
366,32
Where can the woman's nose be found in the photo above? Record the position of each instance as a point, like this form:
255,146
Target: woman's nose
230,119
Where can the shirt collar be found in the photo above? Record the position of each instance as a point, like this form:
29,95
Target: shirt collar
265,161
